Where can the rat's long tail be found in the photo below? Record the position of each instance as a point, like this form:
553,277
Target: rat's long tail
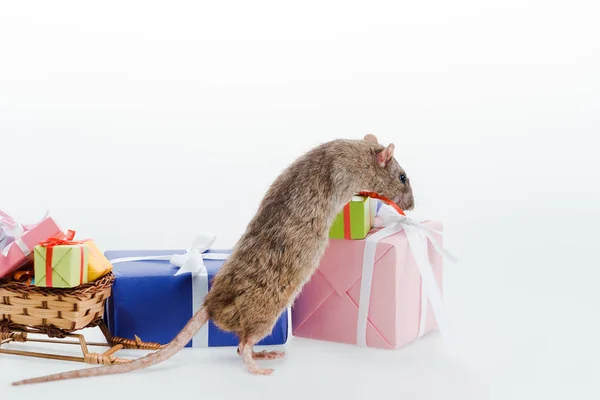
178,343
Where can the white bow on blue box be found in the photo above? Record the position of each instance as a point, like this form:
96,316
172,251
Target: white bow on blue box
193,259
191,262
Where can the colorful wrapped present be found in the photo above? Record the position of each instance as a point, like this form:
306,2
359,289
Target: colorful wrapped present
5,239
156,292
20,250
355,220
98,263
61,263
9,228
384,291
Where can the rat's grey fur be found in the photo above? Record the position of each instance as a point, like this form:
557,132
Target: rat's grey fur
282,246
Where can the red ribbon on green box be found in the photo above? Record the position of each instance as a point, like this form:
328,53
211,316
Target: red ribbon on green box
49,245
354,221
347,227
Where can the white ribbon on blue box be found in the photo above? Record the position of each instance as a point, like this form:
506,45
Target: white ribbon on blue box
154,299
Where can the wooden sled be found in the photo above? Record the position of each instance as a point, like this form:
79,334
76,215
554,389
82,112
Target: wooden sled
59,313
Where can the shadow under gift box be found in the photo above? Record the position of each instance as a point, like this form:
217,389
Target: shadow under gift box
327,307
149,301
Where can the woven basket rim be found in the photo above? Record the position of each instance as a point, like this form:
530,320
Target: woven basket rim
85,289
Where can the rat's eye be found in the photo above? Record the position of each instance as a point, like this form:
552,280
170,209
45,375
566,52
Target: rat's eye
403,178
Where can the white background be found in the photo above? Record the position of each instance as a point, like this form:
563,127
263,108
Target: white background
141,123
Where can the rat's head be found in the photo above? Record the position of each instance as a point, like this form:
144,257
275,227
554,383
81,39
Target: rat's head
390,179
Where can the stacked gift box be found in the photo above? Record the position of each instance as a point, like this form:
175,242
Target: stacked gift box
44,255
397,311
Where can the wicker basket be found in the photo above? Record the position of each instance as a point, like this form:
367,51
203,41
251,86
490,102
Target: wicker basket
58,313
53,311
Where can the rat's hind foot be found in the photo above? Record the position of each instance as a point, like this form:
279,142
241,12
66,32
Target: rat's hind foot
248,355
260,371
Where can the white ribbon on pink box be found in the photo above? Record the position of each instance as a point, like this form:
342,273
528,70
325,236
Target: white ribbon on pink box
11,232
417,234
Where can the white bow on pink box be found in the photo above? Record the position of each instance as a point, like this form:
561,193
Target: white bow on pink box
418,234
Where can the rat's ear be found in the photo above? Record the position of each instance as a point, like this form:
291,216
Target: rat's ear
371,138
385,155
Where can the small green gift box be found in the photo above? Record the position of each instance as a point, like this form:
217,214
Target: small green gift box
355,220
61,266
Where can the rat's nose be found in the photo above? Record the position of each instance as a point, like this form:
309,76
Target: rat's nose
407,201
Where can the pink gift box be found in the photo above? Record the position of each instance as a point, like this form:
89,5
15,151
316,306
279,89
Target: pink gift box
327,307
13,257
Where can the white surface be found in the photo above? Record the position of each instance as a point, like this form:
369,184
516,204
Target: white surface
173,117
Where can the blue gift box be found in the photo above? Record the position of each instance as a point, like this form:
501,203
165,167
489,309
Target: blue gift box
149,301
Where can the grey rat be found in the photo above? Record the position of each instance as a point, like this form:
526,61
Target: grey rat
281,247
